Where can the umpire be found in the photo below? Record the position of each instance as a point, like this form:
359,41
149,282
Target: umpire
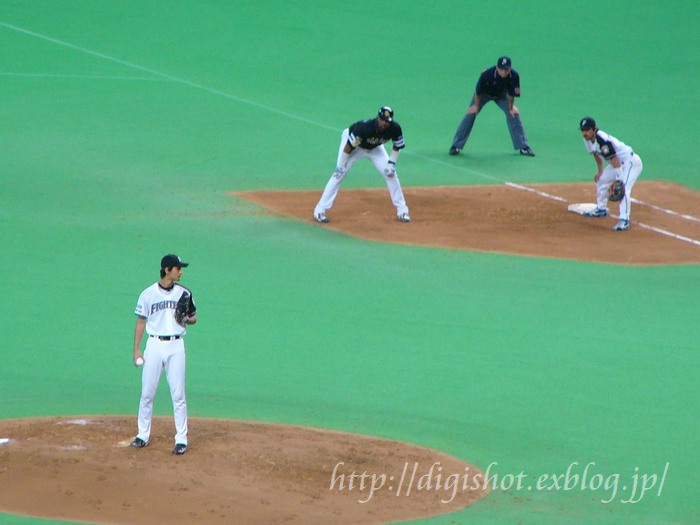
500,83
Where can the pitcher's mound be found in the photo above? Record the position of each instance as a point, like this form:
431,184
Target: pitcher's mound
83,469
513,219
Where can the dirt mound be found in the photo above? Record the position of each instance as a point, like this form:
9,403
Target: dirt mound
82,469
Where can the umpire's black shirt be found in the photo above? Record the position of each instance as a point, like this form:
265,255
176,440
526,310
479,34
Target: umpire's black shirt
490,83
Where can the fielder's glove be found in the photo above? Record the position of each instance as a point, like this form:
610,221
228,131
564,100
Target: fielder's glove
184,308
617,191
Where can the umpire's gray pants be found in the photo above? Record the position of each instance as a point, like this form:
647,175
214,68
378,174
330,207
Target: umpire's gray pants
515,126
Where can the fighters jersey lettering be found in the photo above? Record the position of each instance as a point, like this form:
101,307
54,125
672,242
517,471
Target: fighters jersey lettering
369,136
157,306
162,306
492,84
608,147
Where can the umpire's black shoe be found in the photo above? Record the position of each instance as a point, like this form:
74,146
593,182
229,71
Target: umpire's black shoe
454,151
139,443
180,449
527,151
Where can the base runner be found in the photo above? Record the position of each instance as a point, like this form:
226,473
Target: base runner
366,139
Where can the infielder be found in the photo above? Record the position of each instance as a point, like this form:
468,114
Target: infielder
622,164
165,349
365,140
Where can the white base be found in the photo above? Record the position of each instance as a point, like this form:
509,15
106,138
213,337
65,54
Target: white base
582,207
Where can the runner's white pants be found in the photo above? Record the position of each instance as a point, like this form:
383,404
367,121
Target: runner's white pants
379,157
158,356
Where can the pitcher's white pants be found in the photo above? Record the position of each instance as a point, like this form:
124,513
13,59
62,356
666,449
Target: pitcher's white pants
379,157
158,356
631,171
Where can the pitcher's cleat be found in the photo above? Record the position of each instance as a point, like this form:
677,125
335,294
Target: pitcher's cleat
138,443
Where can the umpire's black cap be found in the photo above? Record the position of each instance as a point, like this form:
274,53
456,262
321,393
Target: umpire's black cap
586,124
503,62
170,261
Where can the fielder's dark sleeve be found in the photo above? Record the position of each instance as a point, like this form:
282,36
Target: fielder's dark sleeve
607,148
191,307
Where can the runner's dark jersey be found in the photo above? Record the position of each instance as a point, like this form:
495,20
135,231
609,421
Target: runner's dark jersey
369,135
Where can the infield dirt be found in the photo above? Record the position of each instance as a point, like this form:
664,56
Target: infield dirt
523,220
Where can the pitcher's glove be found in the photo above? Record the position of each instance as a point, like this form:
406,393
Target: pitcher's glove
617,191
183,310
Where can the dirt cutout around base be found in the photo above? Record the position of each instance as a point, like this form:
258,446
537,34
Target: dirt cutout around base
514,219
83,469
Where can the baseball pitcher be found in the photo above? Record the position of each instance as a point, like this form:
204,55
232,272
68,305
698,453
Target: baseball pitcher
163,311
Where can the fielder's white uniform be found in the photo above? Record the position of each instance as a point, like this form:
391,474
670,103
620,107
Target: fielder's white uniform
606,147
165,350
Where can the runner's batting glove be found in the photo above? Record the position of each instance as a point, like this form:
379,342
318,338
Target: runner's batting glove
342,167
390,169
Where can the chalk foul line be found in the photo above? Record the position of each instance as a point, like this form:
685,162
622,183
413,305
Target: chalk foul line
664,210
661,231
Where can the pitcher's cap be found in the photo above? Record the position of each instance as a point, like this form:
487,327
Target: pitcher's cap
170,261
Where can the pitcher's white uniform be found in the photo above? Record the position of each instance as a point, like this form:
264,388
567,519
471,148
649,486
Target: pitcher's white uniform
606,147
165,350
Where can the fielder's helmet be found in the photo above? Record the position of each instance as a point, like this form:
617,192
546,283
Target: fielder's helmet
386,113
586,124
